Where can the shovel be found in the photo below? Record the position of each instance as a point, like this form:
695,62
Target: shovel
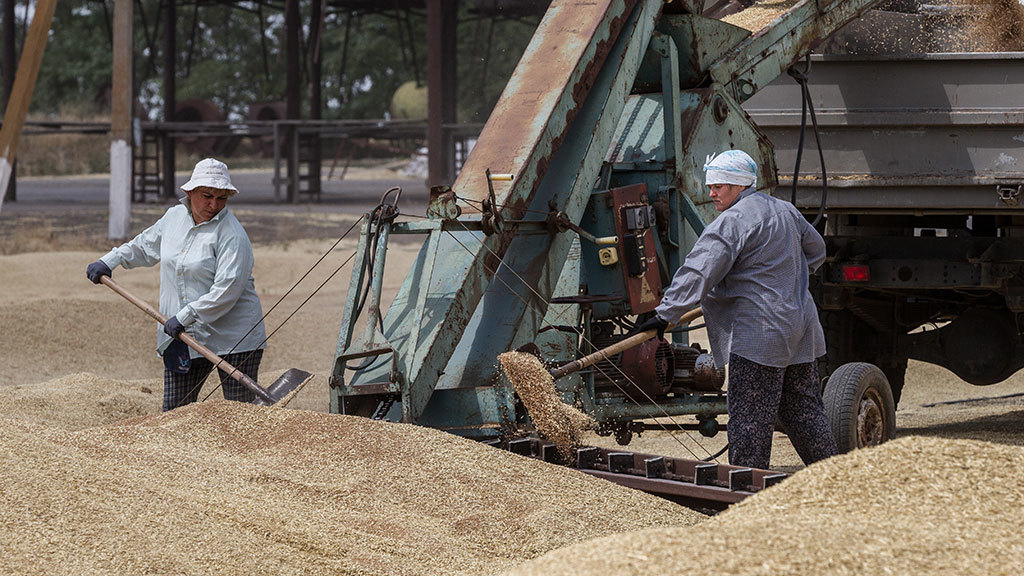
535,384
291,380
634,340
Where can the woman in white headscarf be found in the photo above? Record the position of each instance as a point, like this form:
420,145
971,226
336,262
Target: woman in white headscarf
206,286
749,270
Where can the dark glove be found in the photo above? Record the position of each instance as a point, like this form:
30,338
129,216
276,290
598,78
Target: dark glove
176,357
172,327
96,270
653,323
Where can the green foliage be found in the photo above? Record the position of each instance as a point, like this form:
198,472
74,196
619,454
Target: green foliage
488,53
227,60
76,66
374,66
229,64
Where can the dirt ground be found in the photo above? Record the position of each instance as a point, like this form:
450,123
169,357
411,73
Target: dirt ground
56,323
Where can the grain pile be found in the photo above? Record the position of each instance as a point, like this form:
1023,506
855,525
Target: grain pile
51,338
230,488
990,26
80,401
554,419
911,506
760,14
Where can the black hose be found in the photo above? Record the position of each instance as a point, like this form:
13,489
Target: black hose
801,77
382,214
716,454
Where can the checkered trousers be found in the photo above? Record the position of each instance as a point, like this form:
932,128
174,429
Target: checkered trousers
181,389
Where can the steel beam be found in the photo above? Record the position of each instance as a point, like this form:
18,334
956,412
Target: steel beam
293,93
770,52
707,486
441,89
170,19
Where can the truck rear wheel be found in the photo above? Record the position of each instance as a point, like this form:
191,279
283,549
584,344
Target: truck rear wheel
859,406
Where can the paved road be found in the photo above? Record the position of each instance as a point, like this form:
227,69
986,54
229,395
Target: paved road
38,195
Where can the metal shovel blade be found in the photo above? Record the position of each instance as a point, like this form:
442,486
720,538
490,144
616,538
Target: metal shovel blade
288,382
291,380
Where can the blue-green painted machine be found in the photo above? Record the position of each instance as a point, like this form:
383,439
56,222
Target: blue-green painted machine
581,197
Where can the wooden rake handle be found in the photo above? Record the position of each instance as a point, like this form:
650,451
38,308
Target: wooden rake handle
607,353
188,339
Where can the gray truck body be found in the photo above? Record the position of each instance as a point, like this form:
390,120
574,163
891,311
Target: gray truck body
924,156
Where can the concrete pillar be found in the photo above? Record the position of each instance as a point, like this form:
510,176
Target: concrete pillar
122,98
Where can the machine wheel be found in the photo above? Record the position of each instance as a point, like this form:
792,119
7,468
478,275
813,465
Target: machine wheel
859,405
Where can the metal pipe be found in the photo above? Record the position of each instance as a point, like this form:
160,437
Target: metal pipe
607,353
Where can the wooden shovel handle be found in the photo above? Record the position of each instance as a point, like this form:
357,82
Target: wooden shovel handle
188,339
607,353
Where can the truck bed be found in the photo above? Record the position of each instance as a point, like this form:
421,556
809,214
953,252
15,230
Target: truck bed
930,133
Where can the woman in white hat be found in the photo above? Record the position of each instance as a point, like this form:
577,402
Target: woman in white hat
206,286
749,270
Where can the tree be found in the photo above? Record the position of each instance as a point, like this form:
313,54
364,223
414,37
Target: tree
232,55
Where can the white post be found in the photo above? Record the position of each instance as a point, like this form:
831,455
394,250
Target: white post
121,124
120,189
21,92
5,177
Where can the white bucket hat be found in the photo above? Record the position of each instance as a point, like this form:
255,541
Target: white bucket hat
730,167
210,173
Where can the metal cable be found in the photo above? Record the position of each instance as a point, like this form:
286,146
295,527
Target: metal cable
267,313
559,316
303,303
376,215
603,373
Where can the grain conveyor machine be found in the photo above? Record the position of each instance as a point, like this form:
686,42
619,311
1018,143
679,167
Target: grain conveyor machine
581,197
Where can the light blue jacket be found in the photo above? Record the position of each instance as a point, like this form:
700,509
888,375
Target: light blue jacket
205,278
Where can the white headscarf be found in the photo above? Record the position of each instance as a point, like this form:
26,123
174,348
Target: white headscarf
730,167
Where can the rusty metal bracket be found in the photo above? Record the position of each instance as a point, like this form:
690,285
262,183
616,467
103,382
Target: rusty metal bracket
1009,195
702,485
492,222
443,204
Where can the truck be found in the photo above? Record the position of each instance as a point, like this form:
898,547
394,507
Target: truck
923,154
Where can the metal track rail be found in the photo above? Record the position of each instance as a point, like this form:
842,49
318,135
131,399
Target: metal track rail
704,486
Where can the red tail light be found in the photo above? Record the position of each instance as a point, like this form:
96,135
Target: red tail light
857,273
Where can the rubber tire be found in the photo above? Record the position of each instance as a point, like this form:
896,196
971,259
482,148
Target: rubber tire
849,391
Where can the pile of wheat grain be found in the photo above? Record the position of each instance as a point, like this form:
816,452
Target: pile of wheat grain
990,26
80,401
230,488
554,419
911,506
760,14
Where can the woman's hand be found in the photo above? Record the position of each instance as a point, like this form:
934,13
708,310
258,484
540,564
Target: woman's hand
97,270
172,327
